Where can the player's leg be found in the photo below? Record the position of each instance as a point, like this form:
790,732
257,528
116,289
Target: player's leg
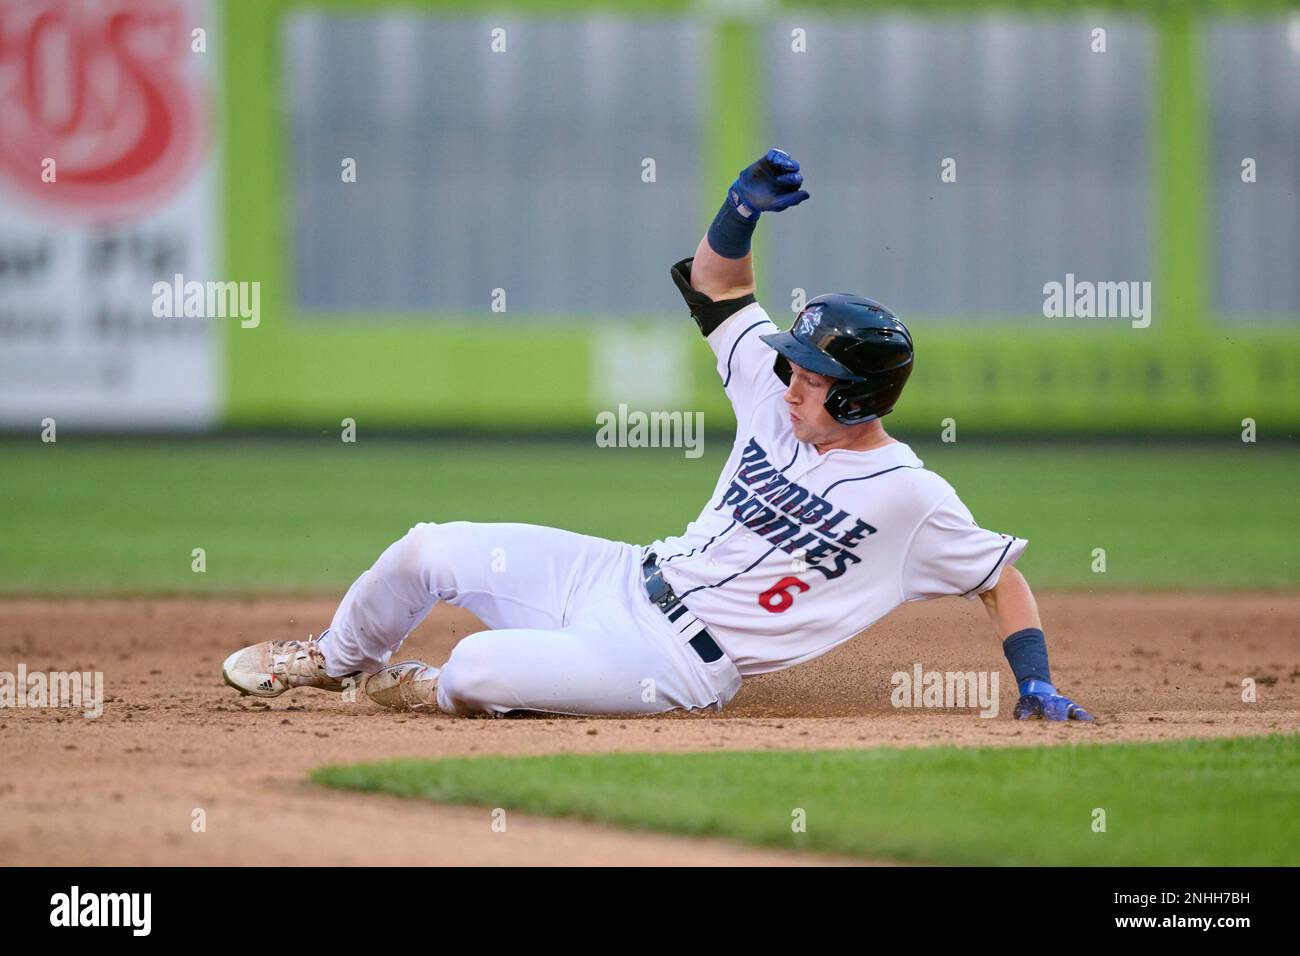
603,664
566,671
509,575
619,655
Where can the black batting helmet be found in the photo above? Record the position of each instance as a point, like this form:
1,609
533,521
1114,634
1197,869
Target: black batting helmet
857,342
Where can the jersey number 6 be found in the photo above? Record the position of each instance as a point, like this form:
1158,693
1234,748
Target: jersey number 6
778,598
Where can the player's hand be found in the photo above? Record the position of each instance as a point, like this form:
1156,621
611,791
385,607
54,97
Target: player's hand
1040,699
769,185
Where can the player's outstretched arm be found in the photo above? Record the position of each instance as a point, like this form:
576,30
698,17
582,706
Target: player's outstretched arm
1011,604
723,266
1014,614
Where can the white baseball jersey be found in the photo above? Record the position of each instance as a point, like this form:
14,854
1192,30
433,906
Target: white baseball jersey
798,551
795,553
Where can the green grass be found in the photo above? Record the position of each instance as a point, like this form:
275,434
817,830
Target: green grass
1191,803
98,516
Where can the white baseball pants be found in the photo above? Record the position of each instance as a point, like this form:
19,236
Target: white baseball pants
570,629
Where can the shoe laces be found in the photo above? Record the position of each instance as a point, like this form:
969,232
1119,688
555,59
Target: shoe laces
297,659
406,689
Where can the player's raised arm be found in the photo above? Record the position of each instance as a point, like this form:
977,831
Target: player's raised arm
718,282
723,267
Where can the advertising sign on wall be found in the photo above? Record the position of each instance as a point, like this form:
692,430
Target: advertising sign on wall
107,186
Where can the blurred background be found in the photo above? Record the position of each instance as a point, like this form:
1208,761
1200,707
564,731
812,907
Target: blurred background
458,224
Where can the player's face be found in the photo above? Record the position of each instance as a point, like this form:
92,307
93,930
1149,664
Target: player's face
805,399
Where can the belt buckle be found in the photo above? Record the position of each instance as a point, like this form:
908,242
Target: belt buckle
657,589
666,600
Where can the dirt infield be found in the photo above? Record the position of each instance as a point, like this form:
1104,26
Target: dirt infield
122,788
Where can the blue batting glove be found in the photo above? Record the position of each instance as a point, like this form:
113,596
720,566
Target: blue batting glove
1040,699
769,185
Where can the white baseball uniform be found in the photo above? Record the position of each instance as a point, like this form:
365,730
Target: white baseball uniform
795,553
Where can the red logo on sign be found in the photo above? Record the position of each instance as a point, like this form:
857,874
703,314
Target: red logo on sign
109,91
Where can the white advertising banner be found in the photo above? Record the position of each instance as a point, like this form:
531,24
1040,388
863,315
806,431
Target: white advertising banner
108,161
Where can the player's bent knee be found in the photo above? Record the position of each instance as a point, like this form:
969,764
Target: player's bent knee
428,548
469,681
403,558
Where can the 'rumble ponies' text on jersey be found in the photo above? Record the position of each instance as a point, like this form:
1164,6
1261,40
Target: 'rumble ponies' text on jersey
797,551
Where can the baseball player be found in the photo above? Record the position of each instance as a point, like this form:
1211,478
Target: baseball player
820,524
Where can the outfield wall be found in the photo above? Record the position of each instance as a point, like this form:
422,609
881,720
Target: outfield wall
1195,368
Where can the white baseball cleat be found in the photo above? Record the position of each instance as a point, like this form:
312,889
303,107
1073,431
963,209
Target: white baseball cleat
410,685
273,667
